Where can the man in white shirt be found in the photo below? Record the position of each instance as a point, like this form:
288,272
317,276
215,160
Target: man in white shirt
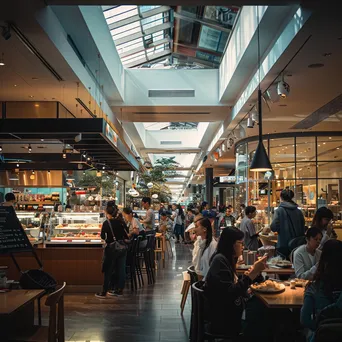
149,220
247,227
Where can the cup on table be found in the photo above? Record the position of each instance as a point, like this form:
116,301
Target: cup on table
292,284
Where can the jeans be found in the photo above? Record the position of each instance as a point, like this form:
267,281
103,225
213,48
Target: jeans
179,231
114,269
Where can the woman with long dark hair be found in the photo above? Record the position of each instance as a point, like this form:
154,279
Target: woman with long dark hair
114,263
288,222
204,246
326,285
323,221
225,291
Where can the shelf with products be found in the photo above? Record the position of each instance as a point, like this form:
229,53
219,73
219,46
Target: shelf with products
76,229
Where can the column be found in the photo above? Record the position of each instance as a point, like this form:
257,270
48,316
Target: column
209,180
221,200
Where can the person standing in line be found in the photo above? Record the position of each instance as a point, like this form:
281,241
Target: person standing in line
247,227
114,262
178,218
149,220
189,218
288,222
323,221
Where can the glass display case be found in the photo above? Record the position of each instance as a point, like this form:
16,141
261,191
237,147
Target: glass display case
30,222
76,229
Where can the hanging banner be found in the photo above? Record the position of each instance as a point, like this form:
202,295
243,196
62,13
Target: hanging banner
111,135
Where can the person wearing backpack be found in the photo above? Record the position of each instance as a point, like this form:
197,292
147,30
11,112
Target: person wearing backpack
178,218
288,222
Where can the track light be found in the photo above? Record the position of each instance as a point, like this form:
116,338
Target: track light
64,154
103,167
250,121
283,88
84,155
29,148
48,172
78,137
33,172
18,164
0,149
2,60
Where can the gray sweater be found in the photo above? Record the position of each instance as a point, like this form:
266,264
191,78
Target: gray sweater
305,264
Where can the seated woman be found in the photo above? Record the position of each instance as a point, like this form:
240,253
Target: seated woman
204,246
326,285
135,228
226,292
323,221
306,257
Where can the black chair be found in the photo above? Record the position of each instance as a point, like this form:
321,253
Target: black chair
199,331
193,275
329,330
131,263
193,279
146,256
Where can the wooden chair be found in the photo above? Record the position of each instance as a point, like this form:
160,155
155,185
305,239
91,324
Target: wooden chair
55,331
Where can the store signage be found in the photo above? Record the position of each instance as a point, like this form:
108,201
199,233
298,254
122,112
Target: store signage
111,135
227,179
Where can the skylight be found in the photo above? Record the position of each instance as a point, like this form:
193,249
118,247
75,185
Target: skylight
140,33
181,37
184,159
156,126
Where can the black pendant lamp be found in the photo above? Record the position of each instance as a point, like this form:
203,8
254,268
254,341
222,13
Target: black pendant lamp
260,162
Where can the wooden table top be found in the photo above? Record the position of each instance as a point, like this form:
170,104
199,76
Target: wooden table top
270,270
285,300
15,299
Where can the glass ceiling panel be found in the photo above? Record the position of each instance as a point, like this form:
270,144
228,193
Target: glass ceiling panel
205,30
156,126
184,159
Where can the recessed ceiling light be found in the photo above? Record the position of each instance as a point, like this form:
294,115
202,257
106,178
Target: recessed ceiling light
324,143
14,85
41,139
319,145
316,65
337,148
31,96
36,105
329,137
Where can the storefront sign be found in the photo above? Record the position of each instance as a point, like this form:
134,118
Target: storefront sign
227,179
111,135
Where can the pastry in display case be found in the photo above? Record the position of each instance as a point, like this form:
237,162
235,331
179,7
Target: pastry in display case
30,222
76,229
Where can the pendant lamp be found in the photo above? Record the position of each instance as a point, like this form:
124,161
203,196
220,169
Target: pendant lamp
260,162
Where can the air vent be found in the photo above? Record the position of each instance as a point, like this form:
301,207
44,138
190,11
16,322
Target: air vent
171,113
171,93
331,108
170,143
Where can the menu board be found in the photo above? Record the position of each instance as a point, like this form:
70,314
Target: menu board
12,235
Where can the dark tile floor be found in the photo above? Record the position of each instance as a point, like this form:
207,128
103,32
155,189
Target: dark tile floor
152,314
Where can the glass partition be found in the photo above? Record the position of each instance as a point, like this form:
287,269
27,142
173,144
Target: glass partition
309,164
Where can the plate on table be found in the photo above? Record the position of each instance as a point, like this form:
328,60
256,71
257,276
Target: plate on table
268,286
284,264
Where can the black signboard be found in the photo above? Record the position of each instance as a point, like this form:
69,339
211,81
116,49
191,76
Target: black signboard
13,238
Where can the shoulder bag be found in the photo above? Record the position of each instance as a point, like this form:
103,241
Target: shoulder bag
116,246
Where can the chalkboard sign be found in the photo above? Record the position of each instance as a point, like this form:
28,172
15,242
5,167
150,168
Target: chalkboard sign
13,238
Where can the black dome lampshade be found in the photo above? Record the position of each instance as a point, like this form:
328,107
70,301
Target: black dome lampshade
260,162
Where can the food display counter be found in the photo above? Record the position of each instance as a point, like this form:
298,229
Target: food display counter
72,251
31,222
81,229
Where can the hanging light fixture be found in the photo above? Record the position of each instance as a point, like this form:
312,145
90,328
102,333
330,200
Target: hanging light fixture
29,148
260,162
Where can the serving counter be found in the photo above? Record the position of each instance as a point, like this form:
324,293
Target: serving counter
72,251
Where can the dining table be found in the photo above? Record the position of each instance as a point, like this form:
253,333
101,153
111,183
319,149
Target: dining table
269,270
17,310
288,299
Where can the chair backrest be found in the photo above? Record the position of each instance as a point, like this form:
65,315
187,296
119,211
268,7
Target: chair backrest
193,275
329,331
55,301
197,319
151,240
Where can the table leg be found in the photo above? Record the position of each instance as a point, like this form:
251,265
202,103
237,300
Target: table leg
39,312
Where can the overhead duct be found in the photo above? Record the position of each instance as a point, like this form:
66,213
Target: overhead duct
171,93
331,108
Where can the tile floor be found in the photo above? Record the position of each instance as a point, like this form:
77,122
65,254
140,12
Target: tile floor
152,314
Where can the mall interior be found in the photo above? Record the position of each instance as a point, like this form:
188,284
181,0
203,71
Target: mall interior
198,105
